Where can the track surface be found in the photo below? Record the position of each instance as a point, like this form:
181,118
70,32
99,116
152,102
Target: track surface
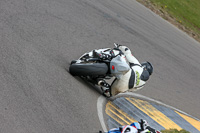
128,109
39,38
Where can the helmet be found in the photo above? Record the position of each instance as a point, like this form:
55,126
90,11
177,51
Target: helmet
147,66
129,129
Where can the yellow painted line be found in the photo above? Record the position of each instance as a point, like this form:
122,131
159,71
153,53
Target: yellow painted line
155,114
192,121
118,115
121,122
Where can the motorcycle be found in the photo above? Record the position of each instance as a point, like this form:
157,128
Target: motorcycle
125,129
136,127
103,64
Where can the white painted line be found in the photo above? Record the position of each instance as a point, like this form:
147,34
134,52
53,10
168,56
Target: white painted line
101,102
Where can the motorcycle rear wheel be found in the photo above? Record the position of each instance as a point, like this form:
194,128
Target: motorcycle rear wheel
90,69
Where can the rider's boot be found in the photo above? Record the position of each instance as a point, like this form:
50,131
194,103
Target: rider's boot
107,93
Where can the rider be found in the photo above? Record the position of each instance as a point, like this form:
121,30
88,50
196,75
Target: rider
136,127
133,79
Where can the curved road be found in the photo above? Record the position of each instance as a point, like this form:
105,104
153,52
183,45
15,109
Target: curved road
38,39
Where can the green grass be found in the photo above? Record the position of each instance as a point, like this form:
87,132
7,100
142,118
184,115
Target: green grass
186,12
174,131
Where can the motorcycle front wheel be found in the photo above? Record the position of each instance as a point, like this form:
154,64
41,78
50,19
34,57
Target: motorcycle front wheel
88,69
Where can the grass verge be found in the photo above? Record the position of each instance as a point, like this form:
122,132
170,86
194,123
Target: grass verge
184,14
174,131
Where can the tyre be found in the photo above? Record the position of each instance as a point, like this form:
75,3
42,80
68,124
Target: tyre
88,69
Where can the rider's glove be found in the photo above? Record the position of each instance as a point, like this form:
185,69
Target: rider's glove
144,124
125,50
145,128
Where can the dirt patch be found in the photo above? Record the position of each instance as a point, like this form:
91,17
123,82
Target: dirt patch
169,18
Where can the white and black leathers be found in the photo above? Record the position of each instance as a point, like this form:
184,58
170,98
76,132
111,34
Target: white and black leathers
131,79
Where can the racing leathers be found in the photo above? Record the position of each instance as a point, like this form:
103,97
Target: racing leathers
131,80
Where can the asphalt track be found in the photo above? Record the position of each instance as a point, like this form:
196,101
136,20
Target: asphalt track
39,38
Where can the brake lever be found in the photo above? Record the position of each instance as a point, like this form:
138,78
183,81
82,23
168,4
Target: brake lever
117,45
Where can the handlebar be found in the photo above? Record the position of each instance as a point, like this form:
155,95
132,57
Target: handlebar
117,45
120,52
